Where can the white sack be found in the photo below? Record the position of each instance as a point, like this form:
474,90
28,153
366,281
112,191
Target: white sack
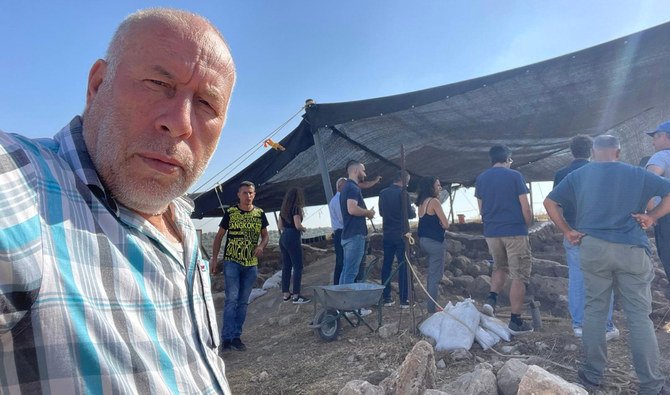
496,326
459,327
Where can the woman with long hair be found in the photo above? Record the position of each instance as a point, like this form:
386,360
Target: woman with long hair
290,244
432,224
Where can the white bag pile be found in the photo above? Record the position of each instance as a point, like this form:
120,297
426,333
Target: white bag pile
460,325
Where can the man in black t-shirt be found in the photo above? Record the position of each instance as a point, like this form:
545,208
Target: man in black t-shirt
354,213
244,224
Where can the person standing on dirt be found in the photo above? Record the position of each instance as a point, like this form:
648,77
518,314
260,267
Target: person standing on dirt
290,244
390,208
432,224
244,224
354,213
609,198
337,225
502,196
659,164
580,147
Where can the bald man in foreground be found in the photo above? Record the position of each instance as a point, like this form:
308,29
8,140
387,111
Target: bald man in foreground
103,288
609,199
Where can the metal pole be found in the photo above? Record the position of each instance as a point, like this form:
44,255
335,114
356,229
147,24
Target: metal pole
321,157
405,222
532,212
452,193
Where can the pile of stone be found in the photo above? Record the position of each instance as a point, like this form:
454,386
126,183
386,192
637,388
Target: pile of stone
416,376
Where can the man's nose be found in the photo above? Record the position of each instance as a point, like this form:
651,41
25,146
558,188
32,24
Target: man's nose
176,117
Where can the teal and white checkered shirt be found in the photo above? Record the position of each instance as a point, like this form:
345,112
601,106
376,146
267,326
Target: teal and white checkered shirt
93,299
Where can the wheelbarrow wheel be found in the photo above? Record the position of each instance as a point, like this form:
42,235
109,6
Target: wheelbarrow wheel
329,324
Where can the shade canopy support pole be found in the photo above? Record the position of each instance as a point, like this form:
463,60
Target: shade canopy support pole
323,167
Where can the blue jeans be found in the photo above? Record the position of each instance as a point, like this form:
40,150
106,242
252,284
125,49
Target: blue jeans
339,255
436,253
394,246
662,235
354,250
576,288
290,244
239,281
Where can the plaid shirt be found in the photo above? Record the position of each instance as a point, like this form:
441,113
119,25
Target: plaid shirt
93,299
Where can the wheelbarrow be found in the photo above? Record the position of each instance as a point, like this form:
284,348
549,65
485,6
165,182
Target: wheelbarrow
337,300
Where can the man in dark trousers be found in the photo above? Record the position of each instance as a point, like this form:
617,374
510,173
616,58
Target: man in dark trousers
659,164
580,146
609,198
390,208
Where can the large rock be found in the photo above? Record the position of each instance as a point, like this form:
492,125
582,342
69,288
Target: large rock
480,287
544,267
361,387
416,374
462,282
550,291
539,381
461,262
510,375
477,382
455,247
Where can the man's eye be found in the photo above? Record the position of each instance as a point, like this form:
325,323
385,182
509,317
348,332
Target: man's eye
159,83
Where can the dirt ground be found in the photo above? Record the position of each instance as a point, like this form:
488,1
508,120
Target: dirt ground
287,357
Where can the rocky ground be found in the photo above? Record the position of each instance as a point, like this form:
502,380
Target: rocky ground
285,356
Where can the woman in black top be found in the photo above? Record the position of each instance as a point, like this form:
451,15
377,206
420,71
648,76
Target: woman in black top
432,224
290,244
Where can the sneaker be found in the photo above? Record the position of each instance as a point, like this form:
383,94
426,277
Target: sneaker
404,305
577,332
517,329
389,302
301,300
225,347
237,344
612,335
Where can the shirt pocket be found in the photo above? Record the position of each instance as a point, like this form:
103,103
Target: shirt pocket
204,306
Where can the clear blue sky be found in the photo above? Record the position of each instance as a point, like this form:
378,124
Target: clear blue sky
288,51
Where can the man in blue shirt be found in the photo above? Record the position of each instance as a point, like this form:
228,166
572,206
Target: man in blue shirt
503,203
354,213
390,208
580,146
609,198
659,164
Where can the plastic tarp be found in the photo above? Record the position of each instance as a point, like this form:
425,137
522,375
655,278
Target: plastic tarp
621,87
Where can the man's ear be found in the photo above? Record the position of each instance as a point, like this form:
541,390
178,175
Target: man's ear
95,78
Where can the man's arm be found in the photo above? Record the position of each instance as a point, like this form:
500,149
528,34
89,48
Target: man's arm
659,172
355,210
525,209
369,184
650,218
555,212
215,249
265,238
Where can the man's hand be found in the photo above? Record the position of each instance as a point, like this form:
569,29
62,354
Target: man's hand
371,213
212,268
258,252
574,237
645,220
